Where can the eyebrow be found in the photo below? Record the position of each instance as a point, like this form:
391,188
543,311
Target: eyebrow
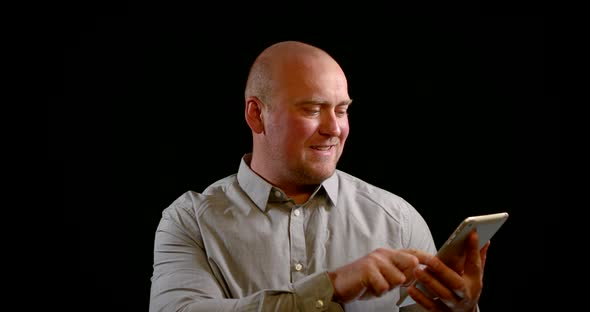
320,102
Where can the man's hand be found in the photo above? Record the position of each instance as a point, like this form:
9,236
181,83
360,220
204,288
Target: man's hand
449,289
374,274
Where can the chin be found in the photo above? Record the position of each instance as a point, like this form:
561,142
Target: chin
315,171
318,175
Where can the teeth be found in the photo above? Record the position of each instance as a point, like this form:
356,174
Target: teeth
323,148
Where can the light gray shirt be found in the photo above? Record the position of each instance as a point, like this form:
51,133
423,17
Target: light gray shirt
243,245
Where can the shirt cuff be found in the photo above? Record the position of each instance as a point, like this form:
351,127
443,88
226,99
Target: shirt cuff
314,293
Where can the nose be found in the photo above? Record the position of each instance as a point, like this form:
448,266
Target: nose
330,124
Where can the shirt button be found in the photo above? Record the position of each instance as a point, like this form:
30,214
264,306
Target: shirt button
278,194
319,304
297,212
298,267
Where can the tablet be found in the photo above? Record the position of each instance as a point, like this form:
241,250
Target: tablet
486,226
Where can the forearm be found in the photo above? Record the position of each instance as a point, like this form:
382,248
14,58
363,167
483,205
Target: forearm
314,293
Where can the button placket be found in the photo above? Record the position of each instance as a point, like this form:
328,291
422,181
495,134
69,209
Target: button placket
297,236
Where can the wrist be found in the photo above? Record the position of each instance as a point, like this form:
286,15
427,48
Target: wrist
335,294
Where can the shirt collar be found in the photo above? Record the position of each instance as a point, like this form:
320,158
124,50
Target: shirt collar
261,192
331,187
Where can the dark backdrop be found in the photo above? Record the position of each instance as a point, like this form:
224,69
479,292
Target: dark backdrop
448,113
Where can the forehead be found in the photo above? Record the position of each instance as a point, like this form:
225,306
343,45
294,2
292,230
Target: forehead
313,79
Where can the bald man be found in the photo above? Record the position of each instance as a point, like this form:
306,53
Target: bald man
291,232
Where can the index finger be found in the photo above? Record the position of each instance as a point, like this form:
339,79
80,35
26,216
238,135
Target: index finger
422,256
402,260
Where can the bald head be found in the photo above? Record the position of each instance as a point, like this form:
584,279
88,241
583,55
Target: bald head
270,68
297,108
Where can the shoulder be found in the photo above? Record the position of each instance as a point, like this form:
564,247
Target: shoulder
193,204
369,199
377,207
224,185
353,186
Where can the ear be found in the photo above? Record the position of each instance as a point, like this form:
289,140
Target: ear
253,114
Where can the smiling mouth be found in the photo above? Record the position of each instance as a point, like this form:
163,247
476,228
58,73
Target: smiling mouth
323,147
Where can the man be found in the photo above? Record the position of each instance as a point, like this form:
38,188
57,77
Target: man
290,232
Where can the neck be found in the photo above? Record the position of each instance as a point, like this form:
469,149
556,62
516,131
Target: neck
300,197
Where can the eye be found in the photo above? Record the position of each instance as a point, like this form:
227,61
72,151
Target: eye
342,113
312,111
342,110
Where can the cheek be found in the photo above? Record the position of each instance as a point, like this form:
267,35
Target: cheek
300,130
344,130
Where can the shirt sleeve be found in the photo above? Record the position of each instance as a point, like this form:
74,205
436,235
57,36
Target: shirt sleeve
183,280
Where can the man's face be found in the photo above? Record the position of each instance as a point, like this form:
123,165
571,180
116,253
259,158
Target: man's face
307,125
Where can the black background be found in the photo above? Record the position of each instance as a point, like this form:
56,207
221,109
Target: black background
453,114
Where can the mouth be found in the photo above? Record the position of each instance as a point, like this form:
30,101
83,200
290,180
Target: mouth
323,148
